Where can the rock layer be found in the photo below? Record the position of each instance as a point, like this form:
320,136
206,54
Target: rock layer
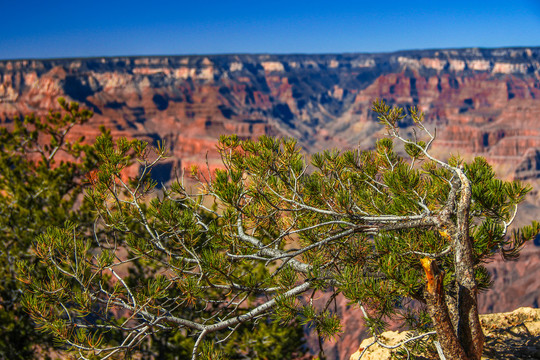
482,101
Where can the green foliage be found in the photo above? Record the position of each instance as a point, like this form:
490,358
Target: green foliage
80,261
265,340
37,190
266,235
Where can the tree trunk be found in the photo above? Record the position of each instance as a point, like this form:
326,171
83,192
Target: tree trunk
469,330
438,311
458,328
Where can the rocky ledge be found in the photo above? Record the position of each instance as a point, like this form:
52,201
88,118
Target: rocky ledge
513,335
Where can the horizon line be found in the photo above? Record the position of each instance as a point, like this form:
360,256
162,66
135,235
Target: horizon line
267,53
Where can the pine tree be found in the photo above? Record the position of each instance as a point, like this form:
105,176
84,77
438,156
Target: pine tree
42,178
401,234
36,191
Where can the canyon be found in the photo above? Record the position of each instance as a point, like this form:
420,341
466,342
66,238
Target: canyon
482,102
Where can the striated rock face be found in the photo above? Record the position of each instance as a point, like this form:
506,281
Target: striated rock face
481,101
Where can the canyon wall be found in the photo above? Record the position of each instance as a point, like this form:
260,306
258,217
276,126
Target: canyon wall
481,102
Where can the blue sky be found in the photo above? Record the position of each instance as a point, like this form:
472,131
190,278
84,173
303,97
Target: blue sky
45,29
